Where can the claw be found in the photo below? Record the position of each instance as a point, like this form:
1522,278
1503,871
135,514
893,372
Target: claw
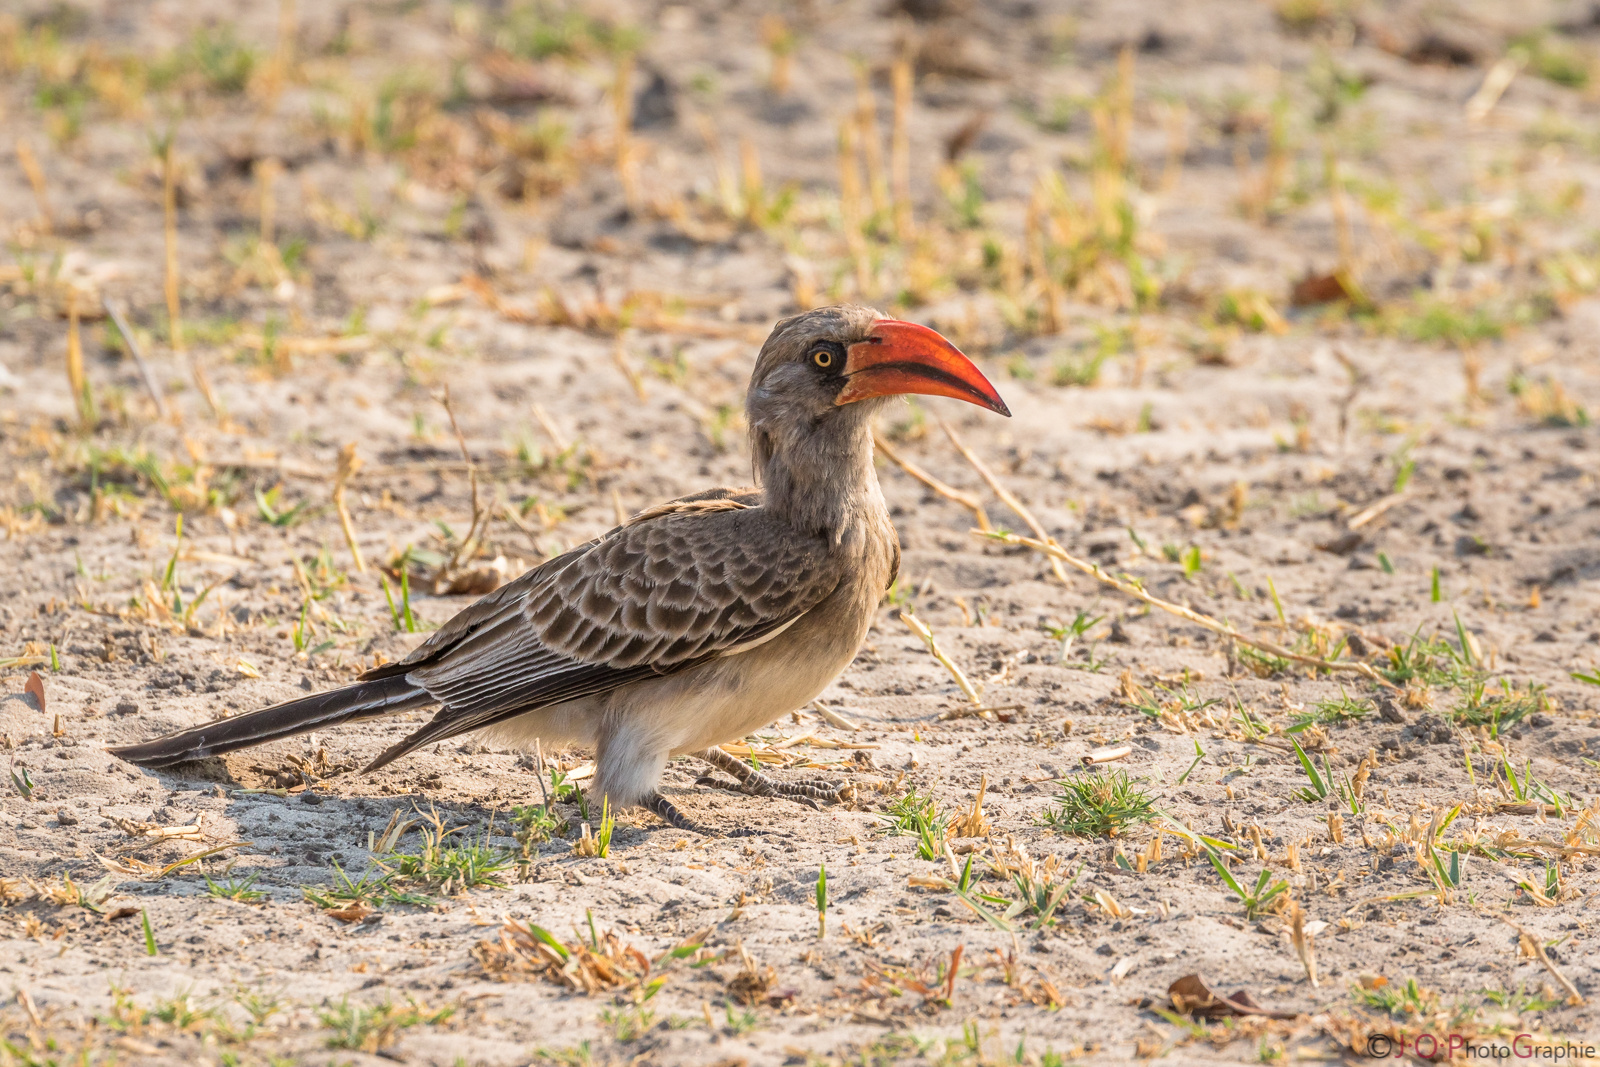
754,783
667,813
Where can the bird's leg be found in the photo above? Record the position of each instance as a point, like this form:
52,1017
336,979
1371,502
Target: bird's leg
756,784
667,813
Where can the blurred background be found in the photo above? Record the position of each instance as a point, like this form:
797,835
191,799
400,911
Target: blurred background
1088,192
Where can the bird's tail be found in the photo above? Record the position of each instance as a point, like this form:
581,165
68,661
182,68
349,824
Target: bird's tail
363,700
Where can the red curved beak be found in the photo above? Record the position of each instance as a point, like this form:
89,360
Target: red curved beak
902,357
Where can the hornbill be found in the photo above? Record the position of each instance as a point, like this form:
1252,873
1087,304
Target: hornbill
694,622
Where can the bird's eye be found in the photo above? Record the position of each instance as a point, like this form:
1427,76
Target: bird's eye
823,358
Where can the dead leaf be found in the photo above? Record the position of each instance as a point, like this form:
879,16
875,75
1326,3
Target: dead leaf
354,913
1319,289
35,687
1191,996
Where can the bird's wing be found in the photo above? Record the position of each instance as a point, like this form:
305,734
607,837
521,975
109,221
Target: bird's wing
507,602
654,596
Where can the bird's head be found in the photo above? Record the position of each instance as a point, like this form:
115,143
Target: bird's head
837,364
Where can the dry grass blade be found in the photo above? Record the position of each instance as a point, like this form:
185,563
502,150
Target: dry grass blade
619,356
1494,85
75,374
1301,935
349,463
36,179
1535,947
469,543
1006,496
169,211
26,1000
1372,511
1271,648
918,627
900,82
965,499
132,342
833,718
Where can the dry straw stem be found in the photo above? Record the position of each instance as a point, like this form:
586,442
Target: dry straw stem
121,323
36,179
349,463
622,103
833,718
900,147
850,203
1341,213
1495,84
546,424
1005,495
306,346
75,375
1092,570
965,499
1534,945
266,173
169,226
871,146
1107,755
1302,938
779,39
619,356
918,627
283,53
1372,511
469,543
1059,555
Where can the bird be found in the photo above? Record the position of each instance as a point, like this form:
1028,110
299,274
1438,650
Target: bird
690,624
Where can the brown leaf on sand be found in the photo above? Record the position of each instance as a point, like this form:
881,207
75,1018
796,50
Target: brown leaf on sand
35,687
352,914
1191,995
1318,289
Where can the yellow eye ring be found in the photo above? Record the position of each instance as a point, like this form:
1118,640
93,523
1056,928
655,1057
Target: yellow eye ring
822,358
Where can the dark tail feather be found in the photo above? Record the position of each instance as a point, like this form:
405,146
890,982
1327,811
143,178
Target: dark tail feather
364,700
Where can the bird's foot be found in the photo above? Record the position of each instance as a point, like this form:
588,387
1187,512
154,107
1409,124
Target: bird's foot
766,788
755,783
669,814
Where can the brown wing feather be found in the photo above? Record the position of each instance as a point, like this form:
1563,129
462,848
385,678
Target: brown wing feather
651,597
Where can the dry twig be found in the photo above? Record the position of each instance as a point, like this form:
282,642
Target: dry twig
1535,947
965,499
1130,589
132,342
349,463
469,543
1006,496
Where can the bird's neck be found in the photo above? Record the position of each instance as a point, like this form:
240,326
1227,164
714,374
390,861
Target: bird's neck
821,482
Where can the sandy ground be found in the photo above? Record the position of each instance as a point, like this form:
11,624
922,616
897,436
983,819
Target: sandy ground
1223,467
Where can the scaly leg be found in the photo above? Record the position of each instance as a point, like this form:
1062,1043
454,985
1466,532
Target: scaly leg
753,783
667,813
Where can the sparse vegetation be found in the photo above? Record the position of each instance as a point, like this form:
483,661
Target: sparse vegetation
1098,805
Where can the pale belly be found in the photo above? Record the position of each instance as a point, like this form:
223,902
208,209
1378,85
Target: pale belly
708,705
